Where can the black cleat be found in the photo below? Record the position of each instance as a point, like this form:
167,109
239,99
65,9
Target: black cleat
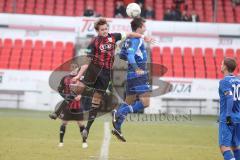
53,116
119,135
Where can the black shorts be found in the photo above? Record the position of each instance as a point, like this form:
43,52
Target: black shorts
97,77
72,114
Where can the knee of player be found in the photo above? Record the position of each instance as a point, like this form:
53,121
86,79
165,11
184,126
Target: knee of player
80,123
97,99
224,148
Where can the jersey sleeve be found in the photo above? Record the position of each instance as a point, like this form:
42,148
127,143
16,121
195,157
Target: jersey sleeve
225,87
117,36
132,46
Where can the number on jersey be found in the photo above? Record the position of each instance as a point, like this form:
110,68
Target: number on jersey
236,90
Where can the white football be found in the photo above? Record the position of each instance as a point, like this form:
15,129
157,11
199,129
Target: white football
133,10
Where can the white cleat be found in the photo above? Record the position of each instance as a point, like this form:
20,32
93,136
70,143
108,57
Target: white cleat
84,145
60,145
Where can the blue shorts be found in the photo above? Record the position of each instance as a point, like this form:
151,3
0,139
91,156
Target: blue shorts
229,136
137,85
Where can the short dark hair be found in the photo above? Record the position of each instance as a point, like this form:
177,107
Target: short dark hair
74,66
230,63
100,22
137,23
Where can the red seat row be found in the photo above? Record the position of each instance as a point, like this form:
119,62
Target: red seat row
192,63
34,55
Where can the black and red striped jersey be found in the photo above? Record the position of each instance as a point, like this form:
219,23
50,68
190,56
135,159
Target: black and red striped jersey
101,49
64,89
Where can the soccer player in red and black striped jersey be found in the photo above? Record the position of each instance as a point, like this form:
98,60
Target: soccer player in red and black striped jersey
98,70
72,110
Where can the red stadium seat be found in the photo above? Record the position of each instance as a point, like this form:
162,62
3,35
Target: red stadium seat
59,45
188,63
28,44
4,57
7,43
69,46
219,55
210,63
199,63
156,59
48,45
100,7
238,54
177,62
109,8
229,52
18,43
38,45
167,61
1,43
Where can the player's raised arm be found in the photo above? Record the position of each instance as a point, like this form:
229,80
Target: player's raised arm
137,35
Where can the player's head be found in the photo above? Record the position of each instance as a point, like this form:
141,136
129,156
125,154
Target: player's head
228,65
138,25
74,68
101,26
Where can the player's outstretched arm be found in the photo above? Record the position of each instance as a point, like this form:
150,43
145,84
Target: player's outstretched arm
137,35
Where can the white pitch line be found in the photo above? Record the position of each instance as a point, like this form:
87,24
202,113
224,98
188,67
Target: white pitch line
106,142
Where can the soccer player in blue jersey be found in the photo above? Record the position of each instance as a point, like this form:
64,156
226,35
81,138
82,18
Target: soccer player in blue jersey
229,126
137,86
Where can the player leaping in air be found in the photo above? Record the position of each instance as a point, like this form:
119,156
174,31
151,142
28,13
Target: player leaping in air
137,85
229,125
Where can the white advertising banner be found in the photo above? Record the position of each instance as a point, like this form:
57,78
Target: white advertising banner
192,88
24,80
182,87
85,25
30,88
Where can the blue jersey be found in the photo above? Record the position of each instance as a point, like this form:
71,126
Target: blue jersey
136,55
230,86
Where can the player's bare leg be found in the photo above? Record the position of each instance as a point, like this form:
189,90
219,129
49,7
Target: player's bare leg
227,153
145,99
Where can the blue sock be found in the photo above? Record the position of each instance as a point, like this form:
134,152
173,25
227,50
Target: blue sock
122,112
237,154
228,155
137,106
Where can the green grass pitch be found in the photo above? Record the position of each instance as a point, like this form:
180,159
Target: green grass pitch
31,135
